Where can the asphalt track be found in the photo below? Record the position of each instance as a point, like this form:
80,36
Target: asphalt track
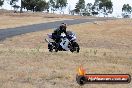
10,32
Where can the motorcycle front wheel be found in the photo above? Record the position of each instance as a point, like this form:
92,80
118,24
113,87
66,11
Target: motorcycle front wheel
75,47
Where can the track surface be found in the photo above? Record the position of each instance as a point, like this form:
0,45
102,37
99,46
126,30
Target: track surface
10,32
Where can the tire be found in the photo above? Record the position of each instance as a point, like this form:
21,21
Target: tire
53,47
75,47
56,50
56,47
50,47
50,50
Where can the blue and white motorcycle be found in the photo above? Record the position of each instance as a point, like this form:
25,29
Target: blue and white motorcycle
67,43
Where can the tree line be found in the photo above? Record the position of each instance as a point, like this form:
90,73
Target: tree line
104,7
100,6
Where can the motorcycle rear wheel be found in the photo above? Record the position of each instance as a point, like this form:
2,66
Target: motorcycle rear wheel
50,47
53,47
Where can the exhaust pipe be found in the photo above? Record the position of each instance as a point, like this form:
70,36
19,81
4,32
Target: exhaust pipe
47,40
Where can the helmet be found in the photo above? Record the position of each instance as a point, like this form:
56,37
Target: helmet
63,26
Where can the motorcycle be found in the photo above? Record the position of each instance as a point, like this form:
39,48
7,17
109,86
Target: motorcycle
67,43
